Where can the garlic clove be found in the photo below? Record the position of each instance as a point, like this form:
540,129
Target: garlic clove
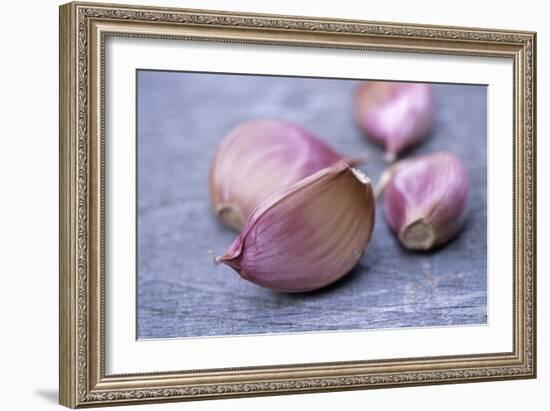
395,115
258,158
425,199
308,235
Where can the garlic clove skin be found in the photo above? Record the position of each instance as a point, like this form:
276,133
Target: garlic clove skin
395,115
258,158
308,235
426,199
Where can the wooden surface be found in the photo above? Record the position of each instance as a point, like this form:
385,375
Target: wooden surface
181,293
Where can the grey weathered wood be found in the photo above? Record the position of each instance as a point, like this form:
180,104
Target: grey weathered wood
182,118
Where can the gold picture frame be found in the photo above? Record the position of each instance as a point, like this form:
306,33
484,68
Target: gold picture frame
83,30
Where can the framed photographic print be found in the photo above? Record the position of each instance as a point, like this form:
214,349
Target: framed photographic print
259,204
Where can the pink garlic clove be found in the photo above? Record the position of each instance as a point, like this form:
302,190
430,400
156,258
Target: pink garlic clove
258,158
426,199
308,235
395,115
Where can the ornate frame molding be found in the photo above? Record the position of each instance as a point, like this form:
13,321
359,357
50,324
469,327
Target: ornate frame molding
83,30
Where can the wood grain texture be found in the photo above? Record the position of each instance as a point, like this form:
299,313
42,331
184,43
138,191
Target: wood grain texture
181,293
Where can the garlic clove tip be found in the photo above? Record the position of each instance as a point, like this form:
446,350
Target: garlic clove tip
362,177
230,215
418,235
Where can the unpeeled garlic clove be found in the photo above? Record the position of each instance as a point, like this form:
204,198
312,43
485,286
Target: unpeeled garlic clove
425,199
395,115
256,159
308,235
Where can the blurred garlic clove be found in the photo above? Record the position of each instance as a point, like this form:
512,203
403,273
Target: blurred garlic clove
425,199
258,158
308,235
395,115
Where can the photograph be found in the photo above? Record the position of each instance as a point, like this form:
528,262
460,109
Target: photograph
259,204
285,204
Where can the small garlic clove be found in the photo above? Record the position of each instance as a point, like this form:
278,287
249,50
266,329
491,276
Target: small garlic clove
395,115
308,235
258,158
425,199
